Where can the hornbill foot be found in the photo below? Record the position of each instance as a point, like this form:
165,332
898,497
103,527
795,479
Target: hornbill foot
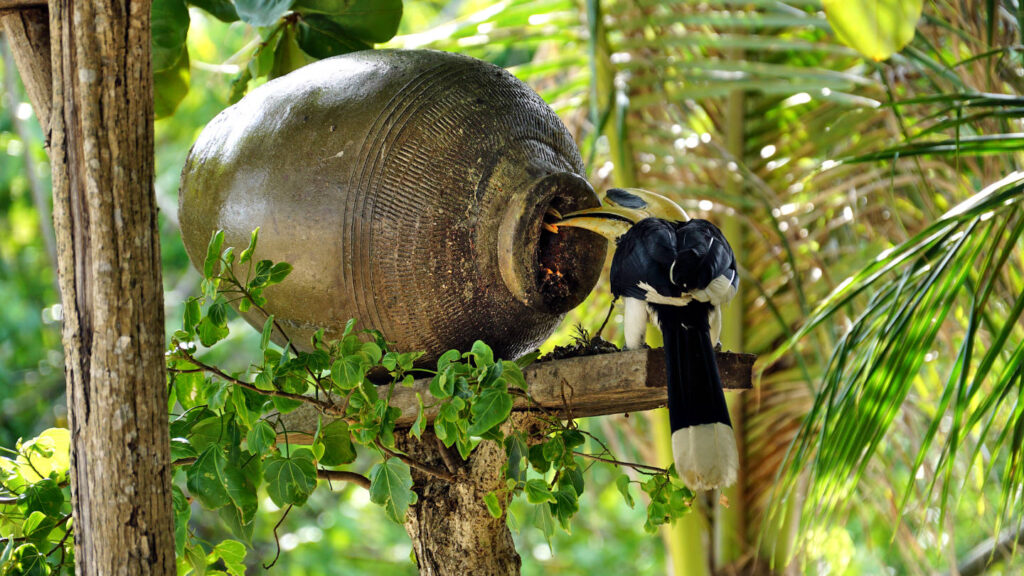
718,347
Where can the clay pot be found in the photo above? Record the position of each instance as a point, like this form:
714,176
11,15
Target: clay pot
407,189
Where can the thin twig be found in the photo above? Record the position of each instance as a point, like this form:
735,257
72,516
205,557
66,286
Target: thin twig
449,462
8,500
603,324
276,539
425,468
67,532
324,406
633,465
344,476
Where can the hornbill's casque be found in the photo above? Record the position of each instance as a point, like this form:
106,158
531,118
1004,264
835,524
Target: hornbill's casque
681,271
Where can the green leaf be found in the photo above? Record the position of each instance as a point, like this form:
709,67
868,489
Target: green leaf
192,314
262,12
170,23
210,266
261,275
538,492
337,442
197,559
37,525
572,439
544,521
565,507
27,560
206,479
390,487
242,493
290,480
489,410
182,514
347,373
517,449
493,506
267,332
288,56
372,21
524,361
537,459
572,479
513,374
170,86
321,37
875,28
210,333
281,270
247,253
261,438
420,422
181,449
233,555
481,353
44,496
442,385
372,351
222,10
622,483
447,359
46,456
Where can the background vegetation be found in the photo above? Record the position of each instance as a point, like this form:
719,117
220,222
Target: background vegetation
821,165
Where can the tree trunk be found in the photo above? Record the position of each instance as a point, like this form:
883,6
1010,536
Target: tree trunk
452,532
105,215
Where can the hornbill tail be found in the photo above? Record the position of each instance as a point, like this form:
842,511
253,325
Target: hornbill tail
703,443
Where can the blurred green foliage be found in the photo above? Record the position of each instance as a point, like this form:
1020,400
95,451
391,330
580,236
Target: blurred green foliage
813,221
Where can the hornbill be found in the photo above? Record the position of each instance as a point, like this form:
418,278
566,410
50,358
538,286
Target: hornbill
681,271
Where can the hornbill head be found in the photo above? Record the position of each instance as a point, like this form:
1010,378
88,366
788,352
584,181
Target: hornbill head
621,209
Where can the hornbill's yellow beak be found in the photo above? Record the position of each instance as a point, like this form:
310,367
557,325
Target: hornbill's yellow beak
652,204
608,221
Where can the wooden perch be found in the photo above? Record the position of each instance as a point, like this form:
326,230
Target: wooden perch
629,381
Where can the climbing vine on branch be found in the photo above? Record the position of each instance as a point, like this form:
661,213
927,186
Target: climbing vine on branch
229,441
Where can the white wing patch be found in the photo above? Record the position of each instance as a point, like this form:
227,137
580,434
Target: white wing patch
653,297
718,292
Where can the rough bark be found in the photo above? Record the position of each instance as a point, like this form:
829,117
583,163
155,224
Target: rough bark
452,532
105,214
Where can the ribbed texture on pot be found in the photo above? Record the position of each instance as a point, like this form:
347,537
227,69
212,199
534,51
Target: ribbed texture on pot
388,179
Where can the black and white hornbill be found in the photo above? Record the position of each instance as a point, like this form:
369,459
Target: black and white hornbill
680,271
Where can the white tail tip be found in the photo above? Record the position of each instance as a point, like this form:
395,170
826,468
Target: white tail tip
706,456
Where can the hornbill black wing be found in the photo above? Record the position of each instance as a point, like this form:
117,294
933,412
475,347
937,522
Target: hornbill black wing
705,264
644,256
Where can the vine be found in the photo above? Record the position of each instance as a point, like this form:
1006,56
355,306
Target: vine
228,440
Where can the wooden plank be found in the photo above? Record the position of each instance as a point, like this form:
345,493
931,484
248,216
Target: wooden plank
629,381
